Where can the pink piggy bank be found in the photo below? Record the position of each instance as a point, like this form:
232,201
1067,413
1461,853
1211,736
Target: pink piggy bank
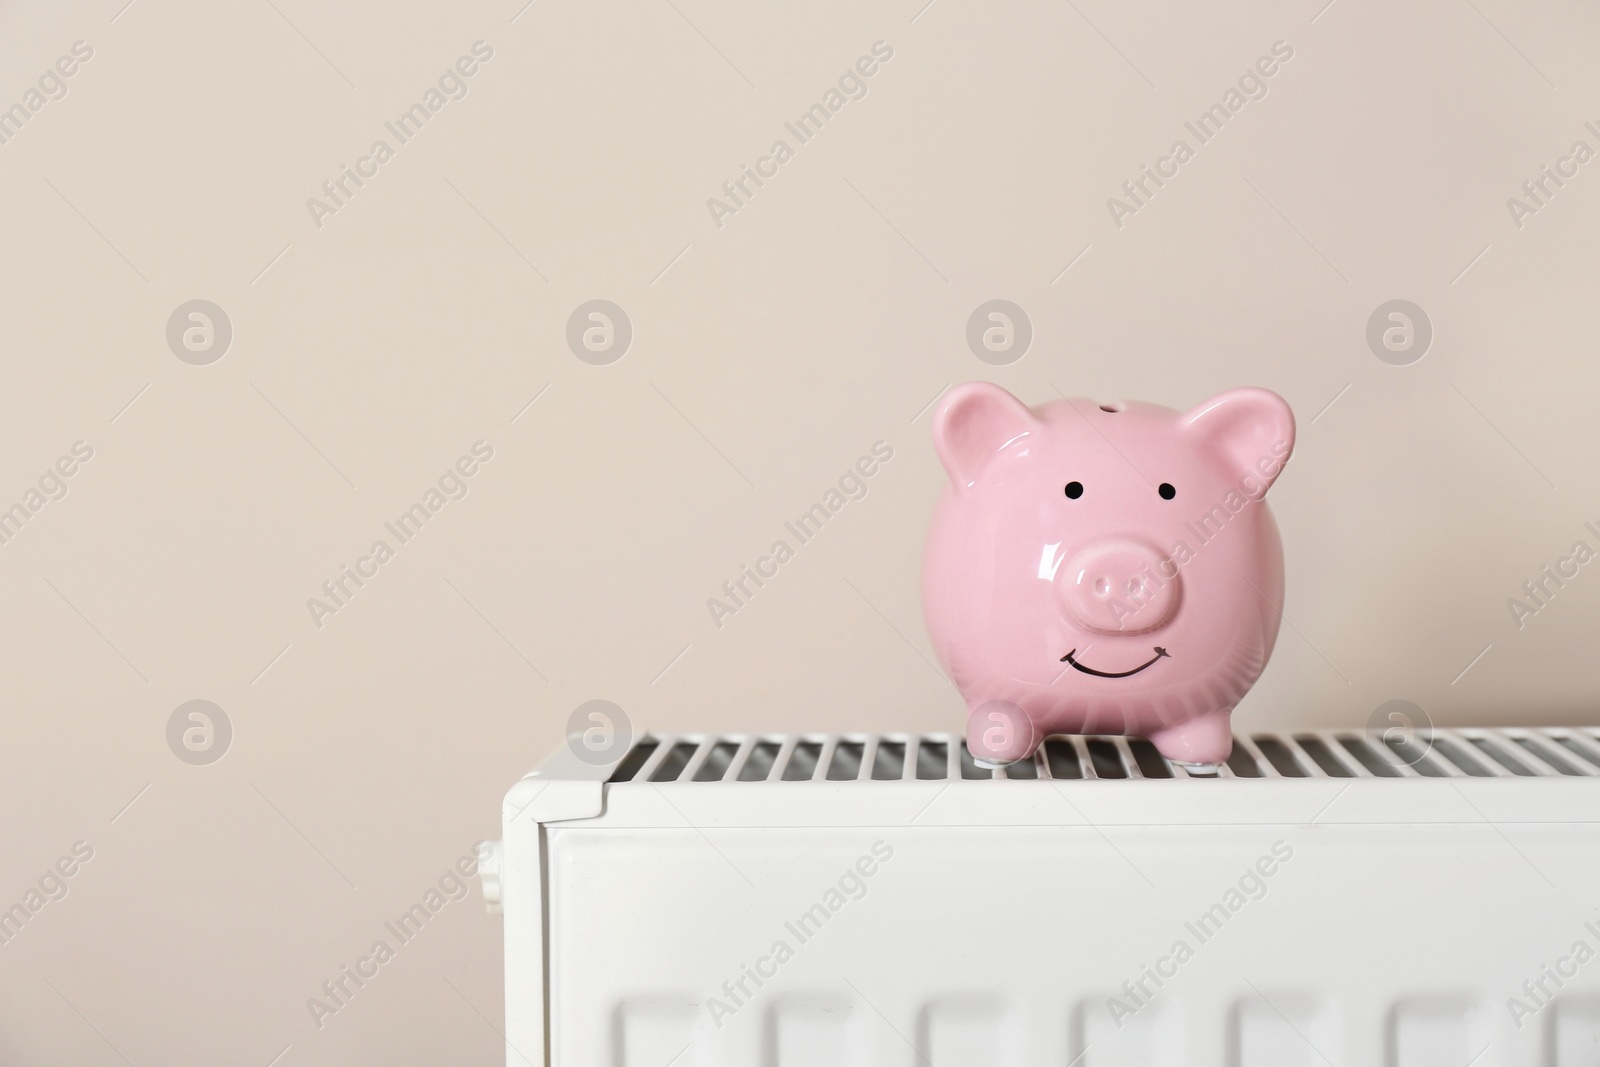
1105,568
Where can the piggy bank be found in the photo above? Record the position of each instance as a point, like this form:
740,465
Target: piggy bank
1105,568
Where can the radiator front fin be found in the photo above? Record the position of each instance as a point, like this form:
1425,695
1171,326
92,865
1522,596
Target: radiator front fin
1442,753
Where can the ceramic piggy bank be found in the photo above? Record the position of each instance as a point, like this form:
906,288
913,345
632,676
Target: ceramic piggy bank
1105,568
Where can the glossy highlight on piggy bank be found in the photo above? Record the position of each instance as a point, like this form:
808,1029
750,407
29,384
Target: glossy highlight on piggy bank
1105,568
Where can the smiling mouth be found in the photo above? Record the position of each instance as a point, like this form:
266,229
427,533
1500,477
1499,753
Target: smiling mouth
1160,653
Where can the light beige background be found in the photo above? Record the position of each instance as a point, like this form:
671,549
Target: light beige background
369,354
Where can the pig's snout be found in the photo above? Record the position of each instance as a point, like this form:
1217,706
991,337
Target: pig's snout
1116,586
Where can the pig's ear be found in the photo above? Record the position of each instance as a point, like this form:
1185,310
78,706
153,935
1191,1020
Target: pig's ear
973,422
1253,429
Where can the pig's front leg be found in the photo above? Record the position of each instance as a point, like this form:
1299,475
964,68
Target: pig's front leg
1201,744
999,732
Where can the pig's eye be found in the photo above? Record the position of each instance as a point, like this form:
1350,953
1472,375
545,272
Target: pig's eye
1167,491
1074,490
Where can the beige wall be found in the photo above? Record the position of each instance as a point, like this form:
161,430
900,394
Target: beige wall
370,353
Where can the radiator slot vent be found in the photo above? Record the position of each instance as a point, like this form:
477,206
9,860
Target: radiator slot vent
1242,763
803,762
846,763
1027,768
1324,757
969,766
1501,757
1370,758
1150,762
1279,756
1573,747
717,762
1550,756
676,761
1062,759
636,758
759,764
1458,756
1103,756
1441,753
1414,754
889,764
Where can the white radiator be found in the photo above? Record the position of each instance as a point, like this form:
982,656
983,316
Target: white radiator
1332,898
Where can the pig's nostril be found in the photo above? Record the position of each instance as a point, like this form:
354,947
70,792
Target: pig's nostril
1112,408
1102,586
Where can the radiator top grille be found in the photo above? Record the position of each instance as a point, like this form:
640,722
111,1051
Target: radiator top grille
1508,752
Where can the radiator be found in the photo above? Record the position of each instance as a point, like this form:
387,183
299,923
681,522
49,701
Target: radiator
1329,898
